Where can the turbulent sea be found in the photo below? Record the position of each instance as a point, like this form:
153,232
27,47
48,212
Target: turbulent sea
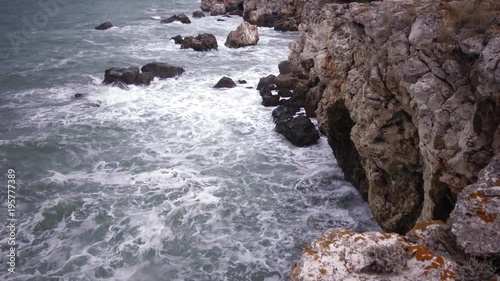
175,181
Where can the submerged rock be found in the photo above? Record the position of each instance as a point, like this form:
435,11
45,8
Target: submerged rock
225,82
121,85
202,42
300,131
245,35
178,17
104,26
162,70
340,255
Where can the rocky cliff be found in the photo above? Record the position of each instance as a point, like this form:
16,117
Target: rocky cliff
408,93
409,98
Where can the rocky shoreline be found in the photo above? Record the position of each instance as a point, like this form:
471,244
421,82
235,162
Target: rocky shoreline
408,94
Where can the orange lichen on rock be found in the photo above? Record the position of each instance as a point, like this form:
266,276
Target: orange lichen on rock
448,274
322,271
479,196
421,253
484,216
423,225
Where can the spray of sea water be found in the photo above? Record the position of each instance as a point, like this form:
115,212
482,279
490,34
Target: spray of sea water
175,181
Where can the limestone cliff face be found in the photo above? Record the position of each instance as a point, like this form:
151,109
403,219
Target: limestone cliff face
409,97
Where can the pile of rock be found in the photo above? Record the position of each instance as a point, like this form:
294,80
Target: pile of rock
121,77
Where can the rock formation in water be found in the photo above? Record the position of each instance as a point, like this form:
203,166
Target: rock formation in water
245,35
202,42
178,17
104,26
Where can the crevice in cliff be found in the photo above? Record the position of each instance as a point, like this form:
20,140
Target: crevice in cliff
344,150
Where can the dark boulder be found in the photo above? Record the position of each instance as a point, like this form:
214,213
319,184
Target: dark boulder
242,81
220,20
225,82
272,100
162,70
266,81
177,39
144,79
125,75
288,24
104,26
198,14
202,42
300,131
265,91
283,112
178,17
285,93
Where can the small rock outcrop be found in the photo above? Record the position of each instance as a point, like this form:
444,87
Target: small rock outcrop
270,13
104,26
266,81
198,14
178,17
177,39
270,100
225,82
162,70
245,35
475,221
340,255
200,43
125,75
121,77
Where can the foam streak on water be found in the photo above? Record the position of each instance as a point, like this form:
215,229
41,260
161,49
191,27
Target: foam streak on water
175,181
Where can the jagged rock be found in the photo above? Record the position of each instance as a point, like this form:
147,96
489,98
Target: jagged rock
300,131
283,113
202,42
178,17
313,97
340,255
177,39
407,115
225,82
198,14
288,24
266,81
219,7
267,13
104,26
125,75
162,70
475,221
270,100
286,81
245,35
